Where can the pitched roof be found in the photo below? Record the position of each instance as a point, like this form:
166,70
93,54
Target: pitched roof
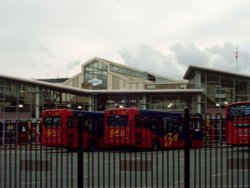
127,67
192,68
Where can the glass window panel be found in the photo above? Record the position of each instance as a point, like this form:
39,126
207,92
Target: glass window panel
241,87
98,71
157,102
227,85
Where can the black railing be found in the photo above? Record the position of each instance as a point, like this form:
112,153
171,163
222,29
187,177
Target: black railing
187,149
210,161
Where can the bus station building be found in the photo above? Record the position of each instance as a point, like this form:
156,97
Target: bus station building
103,84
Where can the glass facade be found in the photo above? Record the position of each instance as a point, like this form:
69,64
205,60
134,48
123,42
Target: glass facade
25,99
16,100
128,72
19,100
162,102
220,89
106,101
137,74
171,102
95,75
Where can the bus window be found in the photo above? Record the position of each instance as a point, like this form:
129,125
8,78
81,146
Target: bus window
117,120
237,122
247,111
241,110
166,125
153,125
52,121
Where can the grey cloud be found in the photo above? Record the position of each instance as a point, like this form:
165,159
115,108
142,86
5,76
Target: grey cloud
73,64
41,65
221,57
186,54
46,51
149,59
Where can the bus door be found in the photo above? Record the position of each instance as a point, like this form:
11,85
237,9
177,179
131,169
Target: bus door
89,132
140,138
92,133
72,136
196,133
149,133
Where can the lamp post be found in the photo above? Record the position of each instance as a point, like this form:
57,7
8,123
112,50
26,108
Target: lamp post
219,106
236,58
219,125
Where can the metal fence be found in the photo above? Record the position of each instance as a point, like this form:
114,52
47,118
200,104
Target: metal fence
25,162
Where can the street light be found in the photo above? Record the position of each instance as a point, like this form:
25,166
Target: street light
20,106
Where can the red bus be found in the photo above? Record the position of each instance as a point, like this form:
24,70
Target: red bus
238,123
131,127
59,128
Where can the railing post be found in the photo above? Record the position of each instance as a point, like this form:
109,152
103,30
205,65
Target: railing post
80,152
187,148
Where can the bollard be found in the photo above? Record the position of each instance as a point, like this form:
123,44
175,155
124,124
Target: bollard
186,149
80,152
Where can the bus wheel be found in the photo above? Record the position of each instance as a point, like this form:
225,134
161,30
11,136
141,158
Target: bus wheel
91,146
155,145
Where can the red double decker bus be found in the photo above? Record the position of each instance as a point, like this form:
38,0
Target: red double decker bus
238,123
59,128
131,127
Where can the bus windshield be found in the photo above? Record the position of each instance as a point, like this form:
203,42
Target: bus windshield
117,120
52,121
239,110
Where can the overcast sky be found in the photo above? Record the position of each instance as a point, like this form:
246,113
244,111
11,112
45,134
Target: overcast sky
52,38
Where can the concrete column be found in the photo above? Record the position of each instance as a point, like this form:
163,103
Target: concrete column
199,104
144,101
91,103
